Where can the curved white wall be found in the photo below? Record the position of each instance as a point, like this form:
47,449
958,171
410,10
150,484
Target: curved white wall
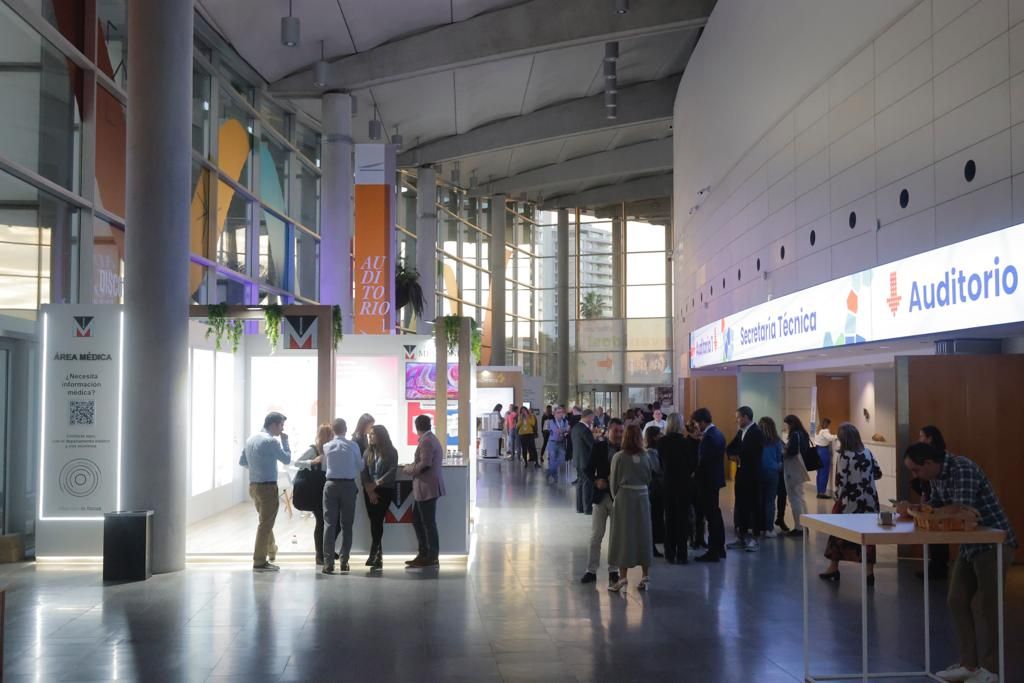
799,113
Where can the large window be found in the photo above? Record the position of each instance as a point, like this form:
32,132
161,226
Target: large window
213,420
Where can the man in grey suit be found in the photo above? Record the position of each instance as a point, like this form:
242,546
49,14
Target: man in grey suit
582,438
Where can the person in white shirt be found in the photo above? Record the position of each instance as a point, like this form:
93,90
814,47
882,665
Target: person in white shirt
344,464
658,421
825,442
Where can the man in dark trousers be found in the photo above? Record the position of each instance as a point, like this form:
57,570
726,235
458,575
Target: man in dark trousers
598,473
582,439
746,447
710,480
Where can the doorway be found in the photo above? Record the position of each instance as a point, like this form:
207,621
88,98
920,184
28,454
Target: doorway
607,397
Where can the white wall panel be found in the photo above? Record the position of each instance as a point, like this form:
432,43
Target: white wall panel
982,117
811,109
852,112
853,183
979,71
907,236
904,117
822,240
782,193
851,77
1016,11
782,164
1016,49
945,11
855,146
812,205
812,173
861,213
1017,150
1017,99
811,141
965,34
904,76
991,159
920,188
977,213
905,35
1018,198
853,255
906,155
814,269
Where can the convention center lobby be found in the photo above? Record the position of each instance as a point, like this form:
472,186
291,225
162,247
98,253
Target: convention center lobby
511,340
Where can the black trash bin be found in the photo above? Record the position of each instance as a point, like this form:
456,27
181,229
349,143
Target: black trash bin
126,545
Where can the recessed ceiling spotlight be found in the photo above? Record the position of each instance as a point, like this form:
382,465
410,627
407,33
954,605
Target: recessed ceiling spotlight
621,6
290,28
611,51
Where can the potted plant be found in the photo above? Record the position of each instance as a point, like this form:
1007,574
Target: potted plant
408,289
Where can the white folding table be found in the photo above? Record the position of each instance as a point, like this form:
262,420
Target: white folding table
865,530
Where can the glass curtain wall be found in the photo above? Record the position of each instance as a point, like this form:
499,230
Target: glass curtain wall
255,187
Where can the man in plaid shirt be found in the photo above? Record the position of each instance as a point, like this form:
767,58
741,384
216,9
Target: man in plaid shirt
956,480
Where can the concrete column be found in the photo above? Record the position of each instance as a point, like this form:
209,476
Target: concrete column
336,214
618,272
159,164
496,258
562,254
426,245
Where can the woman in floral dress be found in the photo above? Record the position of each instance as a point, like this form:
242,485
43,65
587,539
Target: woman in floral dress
856,474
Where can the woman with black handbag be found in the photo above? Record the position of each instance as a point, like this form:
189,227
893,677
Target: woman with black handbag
312,461
380,465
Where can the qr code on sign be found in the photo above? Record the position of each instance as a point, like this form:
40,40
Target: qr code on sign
82,412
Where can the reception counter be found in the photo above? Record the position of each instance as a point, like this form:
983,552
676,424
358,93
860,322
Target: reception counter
399,536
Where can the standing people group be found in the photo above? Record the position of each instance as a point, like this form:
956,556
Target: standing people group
369,461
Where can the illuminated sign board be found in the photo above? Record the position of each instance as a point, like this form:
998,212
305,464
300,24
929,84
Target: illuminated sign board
974,283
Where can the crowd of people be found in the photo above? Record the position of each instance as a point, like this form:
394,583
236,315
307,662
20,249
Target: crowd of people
368,461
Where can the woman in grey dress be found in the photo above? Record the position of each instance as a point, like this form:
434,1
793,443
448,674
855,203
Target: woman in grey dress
631,539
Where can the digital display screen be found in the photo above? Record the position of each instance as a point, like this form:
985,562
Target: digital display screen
421,381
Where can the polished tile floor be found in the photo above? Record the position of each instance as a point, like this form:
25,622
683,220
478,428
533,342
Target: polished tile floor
514,612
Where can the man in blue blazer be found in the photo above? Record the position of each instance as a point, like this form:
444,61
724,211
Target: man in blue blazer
710,479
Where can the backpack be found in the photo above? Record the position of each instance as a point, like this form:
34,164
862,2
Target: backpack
812,461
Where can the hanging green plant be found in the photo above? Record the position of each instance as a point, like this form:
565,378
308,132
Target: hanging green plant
477,341
451,332
272,318
336,328
220,327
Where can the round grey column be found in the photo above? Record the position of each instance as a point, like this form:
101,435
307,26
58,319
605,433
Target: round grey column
159,157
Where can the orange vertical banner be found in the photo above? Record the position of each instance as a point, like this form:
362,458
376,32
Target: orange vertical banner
373,272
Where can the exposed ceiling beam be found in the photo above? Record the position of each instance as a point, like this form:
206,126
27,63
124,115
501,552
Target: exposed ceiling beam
656,207
645,157
648,187
641,103
531,27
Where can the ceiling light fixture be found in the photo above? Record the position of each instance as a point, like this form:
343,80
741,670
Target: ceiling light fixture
376,129
290,28
455,174
396,139
320,69
622,6
610,72
610,113
611,51
610,98
355,105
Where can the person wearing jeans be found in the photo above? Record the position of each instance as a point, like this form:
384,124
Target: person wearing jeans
824,441
427,487
973,586
344,464
771,468
261,454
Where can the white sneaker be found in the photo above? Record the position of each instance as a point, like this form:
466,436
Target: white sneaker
957,673
738,544
770,534
618,586
752,545
983,675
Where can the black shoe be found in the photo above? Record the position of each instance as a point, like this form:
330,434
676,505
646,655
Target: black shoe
328,568
319,561
658,553
709,556
783,527
344,569
370,558
871,580
721,553
415,560
589,577
613,578
823,496
795,533
378,564
830,576
337,556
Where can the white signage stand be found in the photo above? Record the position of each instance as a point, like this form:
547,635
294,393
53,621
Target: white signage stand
80,417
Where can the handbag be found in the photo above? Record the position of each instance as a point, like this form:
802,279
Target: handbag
308,489
837,508
812,461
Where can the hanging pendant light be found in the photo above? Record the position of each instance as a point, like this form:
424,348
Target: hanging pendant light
320,69
396,139
376,129
290,28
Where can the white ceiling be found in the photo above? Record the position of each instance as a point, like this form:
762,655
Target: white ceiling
439,105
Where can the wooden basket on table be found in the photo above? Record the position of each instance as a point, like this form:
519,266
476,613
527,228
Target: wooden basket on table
946,518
